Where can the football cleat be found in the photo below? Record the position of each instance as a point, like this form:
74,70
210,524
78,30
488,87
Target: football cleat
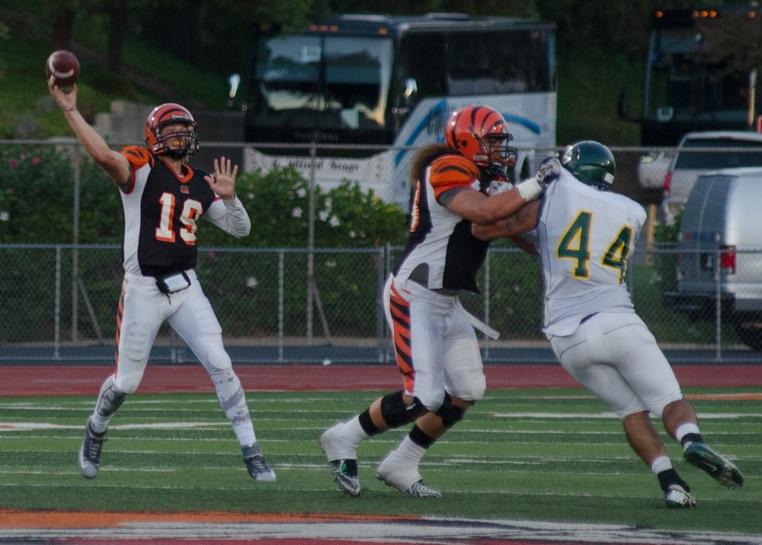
419,490
256,465
342,457
717,466
90,451
344,474
678,497
392,472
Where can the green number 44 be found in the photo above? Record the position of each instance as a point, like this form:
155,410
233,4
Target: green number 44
575,245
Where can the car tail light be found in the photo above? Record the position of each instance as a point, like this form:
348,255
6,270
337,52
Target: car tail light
728,259
667,182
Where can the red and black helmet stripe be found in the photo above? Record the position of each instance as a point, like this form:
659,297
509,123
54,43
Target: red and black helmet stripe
485,120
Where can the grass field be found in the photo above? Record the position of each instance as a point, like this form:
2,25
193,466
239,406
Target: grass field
521,454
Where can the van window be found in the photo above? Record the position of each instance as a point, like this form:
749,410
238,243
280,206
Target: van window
715,160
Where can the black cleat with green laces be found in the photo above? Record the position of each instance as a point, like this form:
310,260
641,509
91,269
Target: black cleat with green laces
344,474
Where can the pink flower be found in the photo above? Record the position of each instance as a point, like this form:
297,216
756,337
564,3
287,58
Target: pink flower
36,160
13,163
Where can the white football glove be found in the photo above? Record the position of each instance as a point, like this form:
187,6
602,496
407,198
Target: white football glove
549,171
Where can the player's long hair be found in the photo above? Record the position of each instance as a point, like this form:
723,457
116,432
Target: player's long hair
424,156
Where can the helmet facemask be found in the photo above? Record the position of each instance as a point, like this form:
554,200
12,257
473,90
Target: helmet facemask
189,137
497,156
171,114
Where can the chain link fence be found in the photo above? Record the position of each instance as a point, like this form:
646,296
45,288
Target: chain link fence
261,297
316,304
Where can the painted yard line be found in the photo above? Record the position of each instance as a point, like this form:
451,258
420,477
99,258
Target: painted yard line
379,442
608,415
162,410
371,464
385,491
24,427
256,400
263,397
516,416
520,469
5,426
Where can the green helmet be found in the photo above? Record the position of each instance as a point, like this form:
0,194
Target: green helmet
591,163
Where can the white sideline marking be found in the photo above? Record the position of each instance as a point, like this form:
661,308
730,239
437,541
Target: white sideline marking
433,530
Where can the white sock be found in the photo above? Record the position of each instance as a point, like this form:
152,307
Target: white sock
684,429
410,451
661,463
353,432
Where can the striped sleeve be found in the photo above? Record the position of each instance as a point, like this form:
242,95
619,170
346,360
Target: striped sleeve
451,172
137,156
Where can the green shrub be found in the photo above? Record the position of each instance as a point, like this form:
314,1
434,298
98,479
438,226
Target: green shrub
36,204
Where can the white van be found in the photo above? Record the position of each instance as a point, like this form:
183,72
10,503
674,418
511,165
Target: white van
705,151
720,245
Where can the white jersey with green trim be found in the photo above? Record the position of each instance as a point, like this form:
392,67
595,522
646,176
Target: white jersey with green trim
585,237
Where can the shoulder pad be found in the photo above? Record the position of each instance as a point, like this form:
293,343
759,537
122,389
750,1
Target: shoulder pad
137,156
450,172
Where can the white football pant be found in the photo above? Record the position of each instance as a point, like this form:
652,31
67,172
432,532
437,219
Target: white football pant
616,357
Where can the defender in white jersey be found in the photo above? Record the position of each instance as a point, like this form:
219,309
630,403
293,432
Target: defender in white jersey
435,345
163,198
584,236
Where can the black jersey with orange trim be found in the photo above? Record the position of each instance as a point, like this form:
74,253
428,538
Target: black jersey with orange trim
161,211
441,253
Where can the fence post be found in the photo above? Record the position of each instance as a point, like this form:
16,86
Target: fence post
280,304
57,307
76,165
487,295
386,271
718,300
380,318
311,242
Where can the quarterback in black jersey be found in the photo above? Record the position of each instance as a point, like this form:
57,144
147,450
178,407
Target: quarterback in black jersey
163,198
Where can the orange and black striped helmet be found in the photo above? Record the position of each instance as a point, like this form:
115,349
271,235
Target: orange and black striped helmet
480,134
167,114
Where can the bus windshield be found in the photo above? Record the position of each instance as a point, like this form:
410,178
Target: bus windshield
684,80
328,83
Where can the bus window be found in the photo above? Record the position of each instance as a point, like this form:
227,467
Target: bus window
357,78
287,80
498,62
422,58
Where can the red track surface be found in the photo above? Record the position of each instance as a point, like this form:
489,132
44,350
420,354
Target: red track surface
20,380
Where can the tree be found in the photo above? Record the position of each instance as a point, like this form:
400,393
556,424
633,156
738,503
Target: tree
118,13
734,39
62,25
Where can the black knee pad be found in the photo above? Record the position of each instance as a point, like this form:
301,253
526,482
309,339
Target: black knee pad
449,413
396,413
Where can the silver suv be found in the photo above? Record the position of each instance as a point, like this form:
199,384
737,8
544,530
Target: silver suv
700,152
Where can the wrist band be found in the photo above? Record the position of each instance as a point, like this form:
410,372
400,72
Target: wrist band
529,189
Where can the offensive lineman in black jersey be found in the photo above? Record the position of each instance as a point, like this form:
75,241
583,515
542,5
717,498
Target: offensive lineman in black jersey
435,344
163,198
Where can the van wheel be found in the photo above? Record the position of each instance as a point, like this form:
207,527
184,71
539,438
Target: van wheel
750,334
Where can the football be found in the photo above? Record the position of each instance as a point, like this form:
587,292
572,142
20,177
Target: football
62,68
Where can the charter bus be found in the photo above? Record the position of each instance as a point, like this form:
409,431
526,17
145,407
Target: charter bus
388,84
691,82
